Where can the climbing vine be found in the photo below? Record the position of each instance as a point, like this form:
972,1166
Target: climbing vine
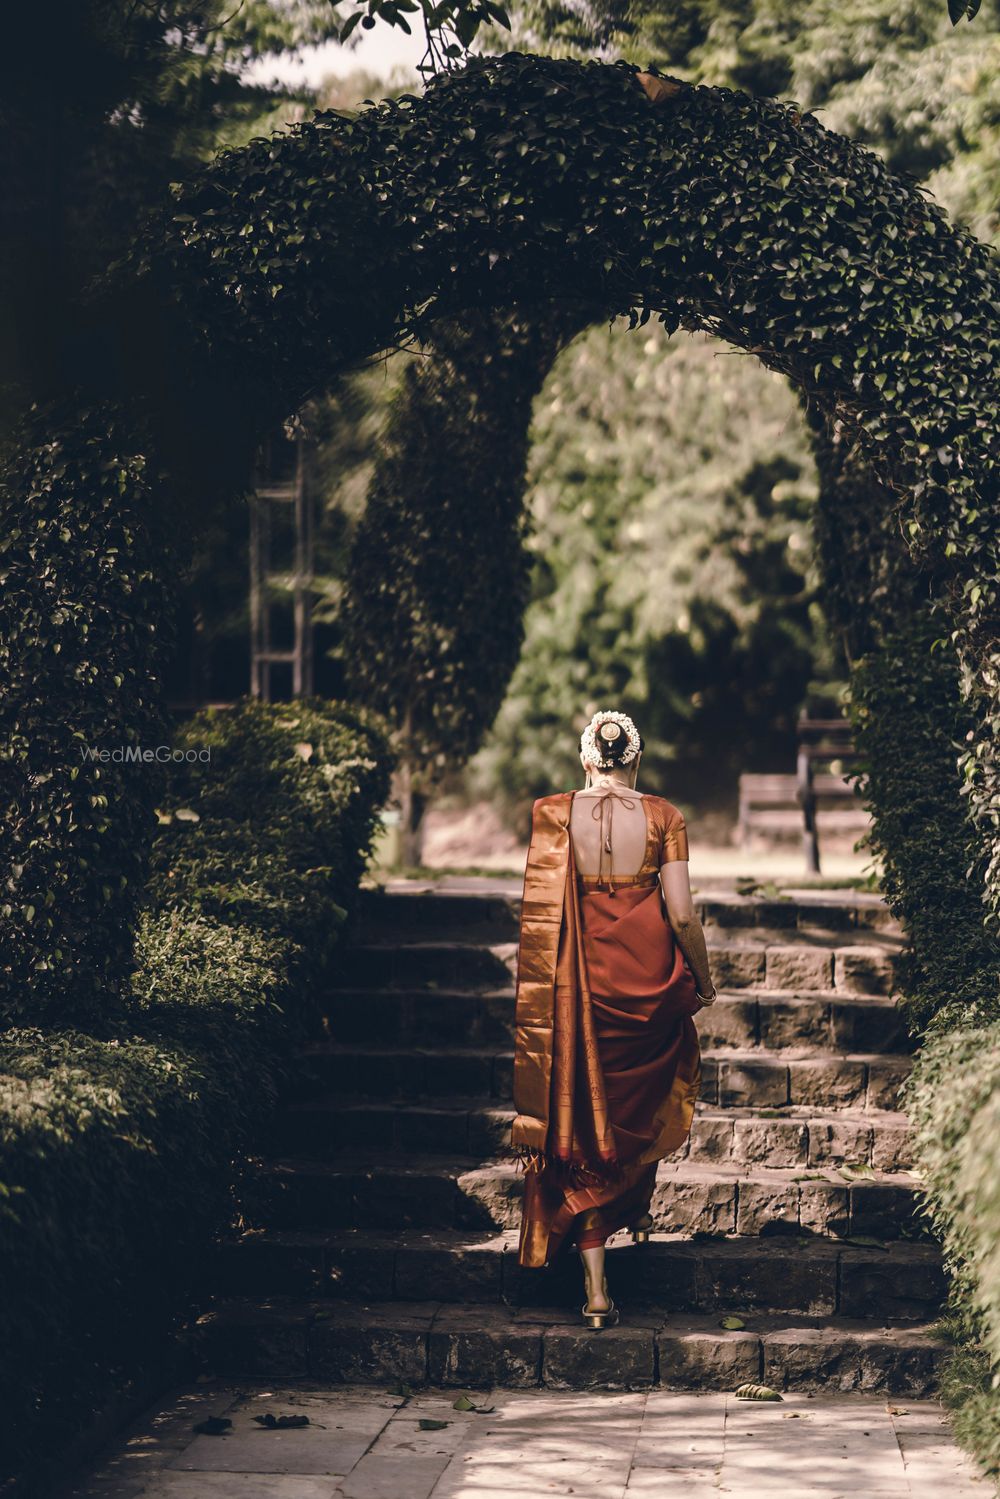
523,178
709,209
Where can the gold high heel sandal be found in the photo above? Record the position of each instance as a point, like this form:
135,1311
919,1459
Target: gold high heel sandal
641,1229
599,1320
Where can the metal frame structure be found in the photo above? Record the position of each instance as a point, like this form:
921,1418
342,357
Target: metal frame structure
820,739
267,585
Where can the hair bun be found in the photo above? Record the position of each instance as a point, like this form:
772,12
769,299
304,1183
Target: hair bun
610,739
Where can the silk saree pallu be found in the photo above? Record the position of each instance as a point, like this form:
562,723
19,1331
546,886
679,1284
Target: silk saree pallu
607,1065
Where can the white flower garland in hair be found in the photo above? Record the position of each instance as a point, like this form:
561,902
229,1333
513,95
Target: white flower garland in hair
591,752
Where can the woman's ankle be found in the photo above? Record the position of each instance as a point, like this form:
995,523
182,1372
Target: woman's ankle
594,1279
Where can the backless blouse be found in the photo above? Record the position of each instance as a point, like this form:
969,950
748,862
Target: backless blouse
666,840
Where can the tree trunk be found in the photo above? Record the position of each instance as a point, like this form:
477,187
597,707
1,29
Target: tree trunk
413,804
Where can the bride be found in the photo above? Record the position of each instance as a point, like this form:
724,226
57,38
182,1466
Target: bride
607,1065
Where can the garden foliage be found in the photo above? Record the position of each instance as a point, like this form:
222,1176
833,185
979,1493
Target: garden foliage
119,1152
905,699
671,492
287,261
911,723
952,1101
85,576
711,210
437,581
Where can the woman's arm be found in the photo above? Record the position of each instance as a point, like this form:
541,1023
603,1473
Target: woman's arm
687,928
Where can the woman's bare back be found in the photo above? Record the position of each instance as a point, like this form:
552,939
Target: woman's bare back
605,816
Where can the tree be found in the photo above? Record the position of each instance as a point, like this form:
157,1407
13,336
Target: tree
671,489
760,40
436,583
102,104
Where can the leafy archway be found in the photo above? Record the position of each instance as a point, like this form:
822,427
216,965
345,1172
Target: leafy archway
520,180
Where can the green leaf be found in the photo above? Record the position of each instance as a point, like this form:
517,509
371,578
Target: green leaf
426,1424
856,1171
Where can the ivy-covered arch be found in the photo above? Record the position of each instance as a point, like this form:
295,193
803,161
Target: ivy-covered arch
518,181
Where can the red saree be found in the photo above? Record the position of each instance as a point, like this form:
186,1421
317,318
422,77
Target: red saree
607,1065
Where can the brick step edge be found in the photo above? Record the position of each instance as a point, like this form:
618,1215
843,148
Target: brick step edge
480,1347
816,1137
899,1279
503,1110
770,961
498,911
294,1193
796,1075
792,1011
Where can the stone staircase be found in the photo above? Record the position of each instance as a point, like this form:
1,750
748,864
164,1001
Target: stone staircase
380,1242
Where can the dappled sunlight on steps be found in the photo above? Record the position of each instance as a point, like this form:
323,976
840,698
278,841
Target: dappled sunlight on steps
380,1231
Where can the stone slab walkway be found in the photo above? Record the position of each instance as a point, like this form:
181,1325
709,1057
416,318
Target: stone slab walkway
363,1443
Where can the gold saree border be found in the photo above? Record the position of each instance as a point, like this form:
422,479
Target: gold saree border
542,903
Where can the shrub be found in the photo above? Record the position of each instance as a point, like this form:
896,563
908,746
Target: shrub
952,1099
909,720
120,1153
84,577
434,649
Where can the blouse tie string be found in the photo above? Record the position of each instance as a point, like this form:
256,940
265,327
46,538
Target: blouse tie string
609,797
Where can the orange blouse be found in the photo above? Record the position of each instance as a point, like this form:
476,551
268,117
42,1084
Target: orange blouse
666,841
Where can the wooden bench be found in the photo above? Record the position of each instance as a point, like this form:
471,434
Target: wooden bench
781,803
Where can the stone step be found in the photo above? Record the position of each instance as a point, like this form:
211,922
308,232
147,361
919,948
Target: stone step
673,1274
479,1347
759,959
767,1138
433,1019
731,1078
413,912
369,1190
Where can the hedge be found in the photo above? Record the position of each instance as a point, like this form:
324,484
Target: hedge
952,1100
536,178
524,179
910,723
120,1153
85,576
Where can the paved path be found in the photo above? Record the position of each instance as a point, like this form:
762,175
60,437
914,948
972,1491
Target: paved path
363,1443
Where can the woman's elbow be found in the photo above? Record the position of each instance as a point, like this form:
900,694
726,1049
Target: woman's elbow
681,918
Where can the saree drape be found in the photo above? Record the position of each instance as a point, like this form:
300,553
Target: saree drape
607,1066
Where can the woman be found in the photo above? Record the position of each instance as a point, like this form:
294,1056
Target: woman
607,1065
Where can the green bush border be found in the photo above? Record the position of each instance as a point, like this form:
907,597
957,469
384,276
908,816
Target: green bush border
120,1153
